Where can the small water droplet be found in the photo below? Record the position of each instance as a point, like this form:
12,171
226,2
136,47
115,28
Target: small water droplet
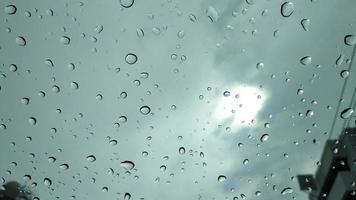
32,121
113,142
49,62
99,28
128,165
305,24
221,178
306,60
309,113
122,119
131,58
140,33
245,162
145,110
347,113
51,159
260,66
47,182
181,150
74,85
258,193
226,93
350,40
126,3
12,68
181,34
64,166
212,14
56,89
300,92
91,158
123,95
21,41
287,9
25,101
10,9
264,138
127,196
64,40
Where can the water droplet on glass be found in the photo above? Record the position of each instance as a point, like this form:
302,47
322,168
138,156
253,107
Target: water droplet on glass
181,150
300,92
51,159
264,138
49,62
113,142
306,60
258,193
180,34
131,58
25,101
32,121
212,14
145,110
91,158
347,113
126,3
245,162
226,93
127,196
122,119
140,33
221,178
287,9
64,40
64,166
128,165
10,9
260,66
305,24
250,2
287,190
12,68
350,40
56,89
74,85
309,113
21,41
99,28
344,73
47,182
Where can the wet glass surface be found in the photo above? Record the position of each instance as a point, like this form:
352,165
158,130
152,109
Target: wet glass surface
172,99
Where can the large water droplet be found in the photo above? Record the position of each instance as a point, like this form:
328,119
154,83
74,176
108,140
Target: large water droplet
128,165
287,190
287,9
13,68
21,41
347,113
131,58
126,3
345,73
10,9
306,60
350,40
145,110
260,66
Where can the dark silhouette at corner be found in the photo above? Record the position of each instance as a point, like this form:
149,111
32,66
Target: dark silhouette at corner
14,191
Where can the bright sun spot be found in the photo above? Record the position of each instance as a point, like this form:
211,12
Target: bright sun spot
241,105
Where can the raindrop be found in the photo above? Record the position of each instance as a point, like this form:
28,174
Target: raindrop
123,95
305,24
13,68
300,92
221,178
140,33
49,62
258,193
122,119
74,85
144,75
260,66
128,165
212,14
181,34
51,159
47,182
264,138
32,121
350,40
287,190
163,168
245,162
250,2
287,9
309,113
91,158
127,196
64,40
347,113
99,97
25,101
226,93
55,89
181,150
145,110
113,142
10,9
99,28
340,59
306,60
64,166
131,58
344,73
126,3
21,41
